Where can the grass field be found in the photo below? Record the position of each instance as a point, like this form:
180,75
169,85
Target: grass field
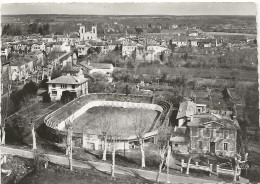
90,121
221,73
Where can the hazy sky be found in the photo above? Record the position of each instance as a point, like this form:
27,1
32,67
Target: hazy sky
202,8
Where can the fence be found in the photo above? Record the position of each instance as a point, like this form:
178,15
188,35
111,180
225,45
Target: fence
196,166
228,171
209,168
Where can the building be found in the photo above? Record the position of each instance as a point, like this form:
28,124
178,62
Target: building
180,41
104,68
202,131
128,48
76,85
213,133
90,35
38,47
82,48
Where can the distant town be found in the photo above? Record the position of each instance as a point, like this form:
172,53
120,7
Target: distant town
129,99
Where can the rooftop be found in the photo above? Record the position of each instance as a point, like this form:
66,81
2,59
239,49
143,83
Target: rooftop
186,109
68,79
101,65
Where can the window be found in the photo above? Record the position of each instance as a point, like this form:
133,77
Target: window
226,132
200,144
54,93
73,86
206,132
53,85
231,134
220,133
225,145
194,131
63,85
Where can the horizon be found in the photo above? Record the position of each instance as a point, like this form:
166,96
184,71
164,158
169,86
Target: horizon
127,15
134,9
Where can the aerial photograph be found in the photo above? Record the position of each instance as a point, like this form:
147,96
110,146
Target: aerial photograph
129,93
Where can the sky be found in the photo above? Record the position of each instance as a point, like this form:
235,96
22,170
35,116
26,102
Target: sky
155,8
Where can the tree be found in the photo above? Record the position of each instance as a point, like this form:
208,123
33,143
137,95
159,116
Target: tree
6,106
46,97
115,133
30,88
19,124
139,30
69,128
164,134
142,125
104,124
31,111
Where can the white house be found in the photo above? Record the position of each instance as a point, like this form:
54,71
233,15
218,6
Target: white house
128,48
38,47
76,85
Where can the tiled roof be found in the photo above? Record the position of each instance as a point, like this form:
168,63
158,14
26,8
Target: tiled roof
68,79
215,119
101,65
73,69
85,64
186,109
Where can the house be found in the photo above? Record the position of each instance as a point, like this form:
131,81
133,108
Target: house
128,48
203,132
47,38
207,42
213,133
20,68
86,67
76,85
104,68
180,41
72,70
91,35
186,110
112,45
38,47
102,45
83,48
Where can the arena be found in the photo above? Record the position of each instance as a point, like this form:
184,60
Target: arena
86,113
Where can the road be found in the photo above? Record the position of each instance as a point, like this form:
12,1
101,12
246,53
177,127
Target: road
106,167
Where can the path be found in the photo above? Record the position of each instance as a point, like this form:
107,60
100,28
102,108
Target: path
106,167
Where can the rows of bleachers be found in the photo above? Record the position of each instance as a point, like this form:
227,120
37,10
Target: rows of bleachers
65,111
53,119
167,106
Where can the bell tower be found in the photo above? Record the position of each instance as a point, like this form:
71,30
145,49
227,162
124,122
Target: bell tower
94,31
82,31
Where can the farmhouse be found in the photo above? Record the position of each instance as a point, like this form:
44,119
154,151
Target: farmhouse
202,131
76,85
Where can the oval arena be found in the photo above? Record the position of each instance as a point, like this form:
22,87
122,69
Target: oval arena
84,133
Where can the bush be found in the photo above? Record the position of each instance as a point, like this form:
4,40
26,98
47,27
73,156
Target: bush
46,97
30,88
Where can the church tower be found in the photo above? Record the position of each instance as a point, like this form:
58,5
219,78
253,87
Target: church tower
94,31
82,31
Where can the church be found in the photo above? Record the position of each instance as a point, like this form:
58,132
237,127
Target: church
90,35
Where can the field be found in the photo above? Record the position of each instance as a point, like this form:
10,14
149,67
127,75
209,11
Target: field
90,121
220,73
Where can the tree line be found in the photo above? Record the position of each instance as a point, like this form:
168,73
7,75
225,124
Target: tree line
33,28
